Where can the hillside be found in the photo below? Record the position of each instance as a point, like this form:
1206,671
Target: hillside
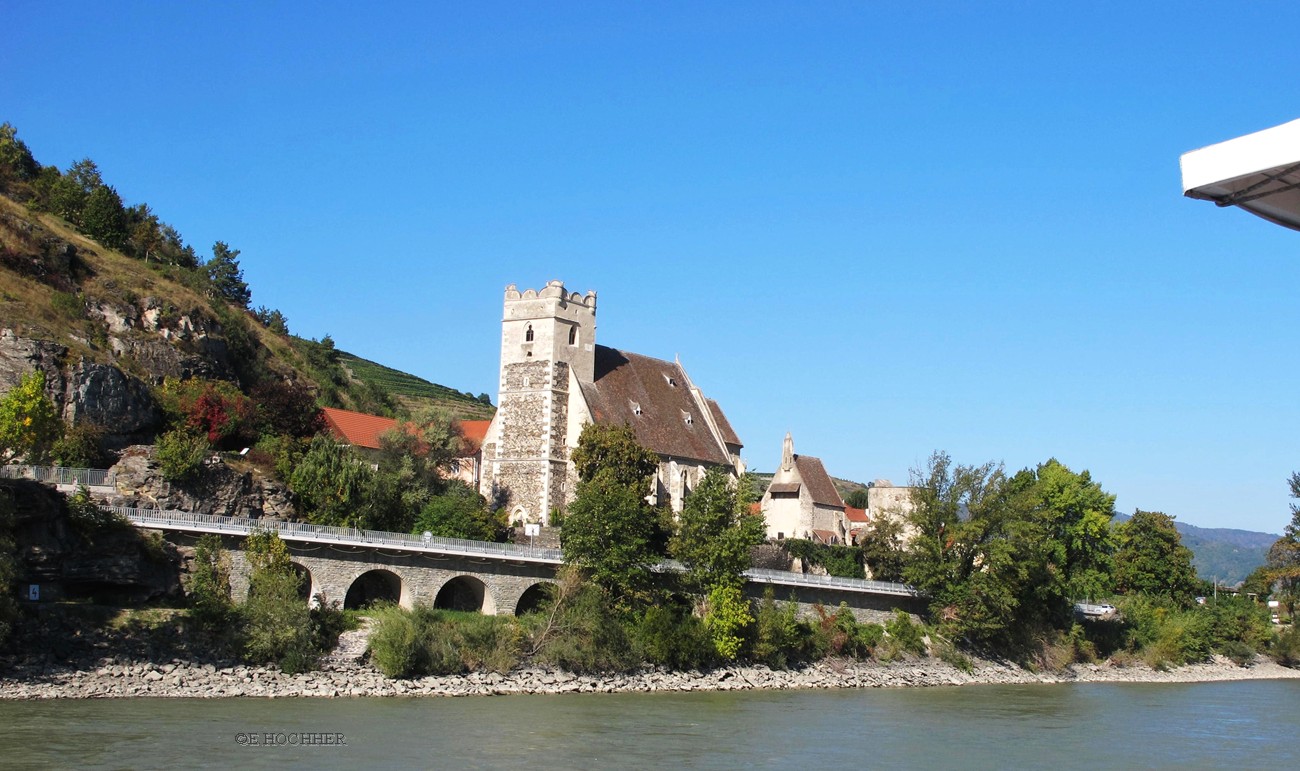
413,392
108,302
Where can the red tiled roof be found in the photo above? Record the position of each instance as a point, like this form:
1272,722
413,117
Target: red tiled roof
357,428
856,515
474,431
654,397
818,482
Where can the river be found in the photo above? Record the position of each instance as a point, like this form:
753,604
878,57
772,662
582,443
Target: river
1250,724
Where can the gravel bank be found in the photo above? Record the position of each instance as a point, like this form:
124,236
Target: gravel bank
119,678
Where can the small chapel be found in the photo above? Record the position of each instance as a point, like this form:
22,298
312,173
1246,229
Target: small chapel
555,379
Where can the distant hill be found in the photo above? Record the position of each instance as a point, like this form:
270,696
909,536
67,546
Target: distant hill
413,391
1221,553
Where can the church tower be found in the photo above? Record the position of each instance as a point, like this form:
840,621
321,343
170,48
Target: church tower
548,345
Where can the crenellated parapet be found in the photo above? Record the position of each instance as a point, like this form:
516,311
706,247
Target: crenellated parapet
554,290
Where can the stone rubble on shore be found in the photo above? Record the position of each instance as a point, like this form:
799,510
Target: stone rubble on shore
123,678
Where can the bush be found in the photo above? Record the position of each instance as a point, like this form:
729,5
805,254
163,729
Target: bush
81,446
1286,648
583,633
90,519
437,642
181,453
776,632
727,620
395,645
209,583
904,635
277,623
673,637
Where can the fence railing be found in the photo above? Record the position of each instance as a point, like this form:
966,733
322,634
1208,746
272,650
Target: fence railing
301,531
59,475
833,582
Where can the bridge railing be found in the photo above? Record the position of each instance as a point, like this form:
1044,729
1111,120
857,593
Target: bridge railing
60,475
326,533
832,582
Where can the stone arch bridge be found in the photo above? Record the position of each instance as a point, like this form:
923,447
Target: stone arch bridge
358,567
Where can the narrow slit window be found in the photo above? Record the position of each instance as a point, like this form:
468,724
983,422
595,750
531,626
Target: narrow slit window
528,335
573,335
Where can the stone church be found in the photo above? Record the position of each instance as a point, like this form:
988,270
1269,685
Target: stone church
555,379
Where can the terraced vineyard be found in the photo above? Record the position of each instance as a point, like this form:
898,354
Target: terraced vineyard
415,391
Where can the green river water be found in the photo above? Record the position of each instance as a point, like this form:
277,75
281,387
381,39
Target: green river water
1250,724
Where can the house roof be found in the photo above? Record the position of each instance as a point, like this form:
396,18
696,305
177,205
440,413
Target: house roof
818,482
474,431
357,428
655,398
826,536
776,488
724,426
856,515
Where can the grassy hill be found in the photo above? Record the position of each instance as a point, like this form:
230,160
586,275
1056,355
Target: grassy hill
414,392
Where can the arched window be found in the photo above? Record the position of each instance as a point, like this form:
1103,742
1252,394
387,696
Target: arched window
573,335
528,335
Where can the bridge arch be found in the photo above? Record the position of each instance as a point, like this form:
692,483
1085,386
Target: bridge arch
307,586
465,592
534,598
375,586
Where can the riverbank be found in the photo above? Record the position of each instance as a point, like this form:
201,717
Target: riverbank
119,678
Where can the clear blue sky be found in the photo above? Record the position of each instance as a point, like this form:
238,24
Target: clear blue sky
888,228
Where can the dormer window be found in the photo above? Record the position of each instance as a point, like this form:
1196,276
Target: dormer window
573,335
686,416
528,334
636,408
670,380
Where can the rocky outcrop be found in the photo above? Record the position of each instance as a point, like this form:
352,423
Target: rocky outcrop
219,490
77,558
106,396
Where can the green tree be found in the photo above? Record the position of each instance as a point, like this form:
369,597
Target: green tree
1282,569
226,277
977,554
715,532
615,451
858,499
884,549
16,161
209,583
459,512
29,424
1152,560
103,218
181,453
278,625
331,485
607,532
1075,514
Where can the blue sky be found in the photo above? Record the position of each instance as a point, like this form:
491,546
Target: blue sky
888,228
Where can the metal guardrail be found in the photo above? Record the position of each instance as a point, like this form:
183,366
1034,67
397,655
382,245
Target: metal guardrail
298,531
344,536
831,582
59,475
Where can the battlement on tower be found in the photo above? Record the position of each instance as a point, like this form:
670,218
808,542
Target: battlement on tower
554,289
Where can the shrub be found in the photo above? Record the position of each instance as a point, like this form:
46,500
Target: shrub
395,645
904,635
585,634
1286,648
776,635
727,619
1239,652
277,623
90,519
673,637
81,446
181,453
209,583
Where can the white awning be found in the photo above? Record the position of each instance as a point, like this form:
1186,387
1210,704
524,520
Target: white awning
1259,172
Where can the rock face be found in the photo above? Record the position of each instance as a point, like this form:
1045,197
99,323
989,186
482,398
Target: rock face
220,489
70,558
105,395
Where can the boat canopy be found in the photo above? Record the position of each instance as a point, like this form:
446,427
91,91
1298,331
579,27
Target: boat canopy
1259,172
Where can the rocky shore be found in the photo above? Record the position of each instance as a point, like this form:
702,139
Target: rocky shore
124,678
